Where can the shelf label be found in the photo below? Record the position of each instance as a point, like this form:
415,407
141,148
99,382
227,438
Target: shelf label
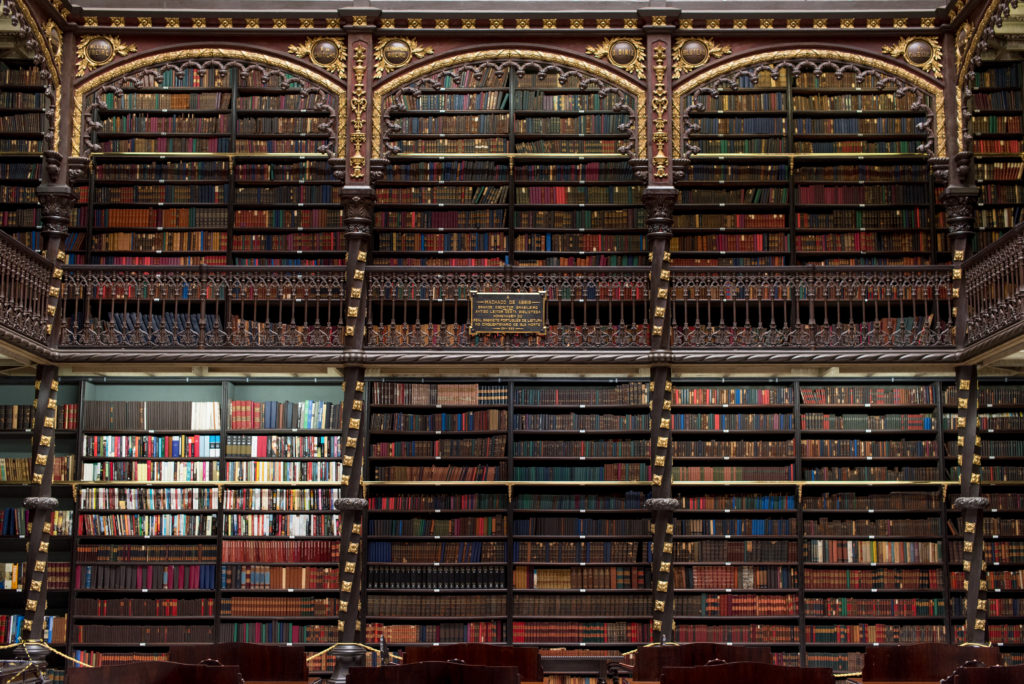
145,590
437,536
873,590
142,643
728,591
583,510
437,565
291,590
583,591
437,591
728,510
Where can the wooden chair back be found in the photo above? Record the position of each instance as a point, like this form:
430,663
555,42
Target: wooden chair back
650,661
526,659
255,661
155,673
432,672
922,662
746,673
1012,674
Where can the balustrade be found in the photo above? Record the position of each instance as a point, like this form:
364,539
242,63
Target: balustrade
994,287
24,280
225,307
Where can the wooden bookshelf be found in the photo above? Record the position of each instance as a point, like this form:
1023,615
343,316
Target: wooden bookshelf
995,126
201,165
496,166
23,101
806,168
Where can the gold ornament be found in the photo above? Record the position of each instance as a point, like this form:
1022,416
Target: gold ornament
626,53
326,53
923,52
692,53
394,53
97,51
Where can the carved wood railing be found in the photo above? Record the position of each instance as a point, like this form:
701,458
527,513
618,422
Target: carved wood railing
204,307
224,307
814,307
24,280
994,287
429,307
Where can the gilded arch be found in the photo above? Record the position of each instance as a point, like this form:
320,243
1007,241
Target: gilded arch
542,56
724,67
232,55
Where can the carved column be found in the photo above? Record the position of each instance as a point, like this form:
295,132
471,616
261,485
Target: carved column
357,217
960,203
970,502
661,504
41,504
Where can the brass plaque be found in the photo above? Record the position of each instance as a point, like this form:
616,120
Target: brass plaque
508,312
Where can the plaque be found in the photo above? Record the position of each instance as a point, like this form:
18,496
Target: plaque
508,312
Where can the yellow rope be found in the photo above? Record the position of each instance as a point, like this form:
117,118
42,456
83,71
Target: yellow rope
62,655
341,643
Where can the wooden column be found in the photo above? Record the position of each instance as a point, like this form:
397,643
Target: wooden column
352,165
970,502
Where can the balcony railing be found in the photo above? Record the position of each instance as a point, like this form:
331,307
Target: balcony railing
811,308
24,281
994,287
215,307
233,308
586,307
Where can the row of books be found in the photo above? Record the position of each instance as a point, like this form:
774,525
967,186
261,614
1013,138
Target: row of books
871,551
17,522
15,417
13,576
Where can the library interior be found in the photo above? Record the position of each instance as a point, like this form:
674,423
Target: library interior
580,342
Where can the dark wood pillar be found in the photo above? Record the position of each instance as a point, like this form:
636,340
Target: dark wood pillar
357,218
971,503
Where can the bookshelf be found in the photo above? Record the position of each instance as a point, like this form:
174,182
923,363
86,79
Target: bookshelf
207,517
482,527
146,551
736,565
279,553
580,535
23,101
803,169
995,127
197,164
437,556
504,164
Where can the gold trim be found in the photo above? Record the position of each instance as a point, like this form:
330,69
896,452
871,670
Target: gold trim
739,23
777,55
636,65
116,22
357,161
659,105
846,23
145,22
85,87
304,50
228,22
198,22
535,55
681,66
932,64
792,23
87,63
441,24
172,22
385,65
